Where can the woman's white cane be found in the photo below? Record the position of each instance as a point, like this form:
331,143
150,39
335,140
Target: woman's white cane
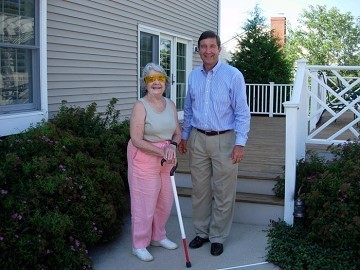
172,172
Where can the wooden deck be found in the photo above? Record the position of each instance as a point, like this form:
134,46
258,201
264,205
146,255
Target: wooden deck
265,149
264,152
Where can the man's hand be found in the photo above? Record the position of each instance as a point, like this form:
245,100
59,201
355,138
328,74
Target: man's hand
237,154
182,147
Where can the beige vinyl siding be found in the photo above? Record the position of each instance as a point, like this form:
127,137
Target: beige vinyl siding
92,45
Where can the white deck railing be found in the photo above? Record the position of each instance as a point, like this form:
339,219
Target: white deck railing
315,93
268,99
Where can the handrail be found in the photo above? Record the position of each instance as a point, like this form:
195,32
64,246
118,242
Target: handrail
268,99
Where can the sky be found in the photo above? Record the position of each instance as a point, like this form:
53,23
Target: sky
233,13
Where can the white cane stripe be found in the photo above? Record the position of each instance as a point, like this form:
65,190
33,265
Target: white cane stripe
242,266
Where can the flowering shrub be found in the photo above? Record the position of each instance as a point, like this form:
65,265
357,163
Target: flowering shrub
332,200
306,170
62,189
331,193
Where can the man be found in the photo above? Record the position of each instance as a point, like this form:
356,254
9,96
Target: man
216,124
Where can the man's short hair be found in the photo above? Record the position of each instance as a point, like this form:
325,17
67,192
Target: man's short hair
209,34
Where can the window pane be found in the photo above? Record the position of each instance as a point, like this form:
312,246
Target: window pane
149,49
181,76
149,52
165,55
17,23
165,61
16,76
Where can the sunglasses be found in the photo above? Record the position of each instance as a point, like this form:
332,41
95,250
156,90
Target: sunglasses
153,78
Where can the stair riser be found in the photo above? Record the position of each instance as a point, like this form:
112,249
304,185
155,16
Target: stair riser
247,213
243,185
256,186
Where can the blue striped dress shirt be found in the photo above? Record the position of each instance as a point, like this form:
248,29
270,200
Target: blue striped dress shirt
216,101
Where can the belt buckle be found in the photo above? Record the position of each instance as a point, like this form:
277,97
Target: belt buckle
212,133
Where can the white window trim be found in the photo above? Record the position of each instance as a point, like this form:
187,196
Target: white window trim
14,123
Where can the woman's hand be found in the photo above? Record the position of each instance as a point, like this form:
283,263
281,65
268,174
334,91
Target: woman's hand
170,153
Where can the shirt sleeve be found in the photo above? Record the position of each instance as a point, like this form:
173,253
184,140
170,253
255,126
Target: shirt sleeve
241,109
188,113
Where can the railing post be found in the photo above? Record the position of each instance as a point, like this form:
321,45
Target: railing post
296,118
313,103
271,100
290,161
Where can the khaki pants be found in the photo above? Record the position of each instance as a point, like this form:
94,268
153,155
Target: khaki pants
214,179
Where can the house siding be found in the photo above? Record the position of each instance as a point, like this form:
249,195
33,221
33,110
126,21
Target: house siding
92,45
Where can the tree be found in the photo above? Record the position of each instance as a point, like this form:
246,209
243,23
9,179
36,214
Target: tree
325,37
259,55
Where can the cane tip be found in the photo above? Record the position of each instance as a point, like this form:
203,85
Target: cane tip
188,264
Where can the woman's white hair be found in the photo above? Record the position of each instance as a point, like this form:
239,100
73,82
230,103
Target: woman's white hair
156,68
153,66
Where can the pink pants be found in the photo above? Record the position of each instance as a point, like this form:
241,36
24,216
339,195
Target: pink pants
151,195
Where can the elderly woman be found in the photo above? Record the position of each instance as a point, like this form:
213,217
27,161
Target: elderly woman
155,133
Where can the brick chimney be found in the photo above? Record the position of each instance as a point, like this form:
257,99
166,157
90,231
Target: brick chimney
278,24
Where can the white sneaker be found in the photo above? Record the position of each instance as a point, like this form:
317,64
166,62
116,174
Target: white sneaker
142,254
165,243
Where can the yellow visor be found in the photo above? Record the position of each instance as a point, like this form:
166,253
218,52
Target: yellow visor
153,78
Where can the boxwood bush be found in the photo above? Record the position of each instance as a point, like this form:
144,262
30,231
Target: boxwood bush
62,189
329,235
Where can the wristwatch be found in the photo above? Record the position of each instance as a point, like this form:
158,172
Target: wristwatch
174,143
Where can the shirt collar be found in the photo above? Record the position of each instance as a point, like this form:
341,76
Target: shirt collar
214,69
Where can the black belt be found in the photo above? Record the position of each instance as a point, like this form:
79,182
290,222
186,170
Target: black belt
212,133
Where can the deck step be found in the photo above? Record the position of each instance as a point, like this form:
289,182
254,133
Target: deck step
256,209
242,197
258,185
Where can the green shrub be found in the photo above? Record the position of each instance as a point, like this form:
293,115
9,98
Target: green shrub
331,227
332,200
62,189
306,169
288,249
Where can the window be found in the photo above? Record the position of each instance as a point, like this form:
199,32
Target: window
23,65
149,49
19,56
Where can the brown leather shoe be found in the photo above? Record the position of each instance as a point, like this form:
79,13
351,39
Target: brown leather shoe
216,249
198,242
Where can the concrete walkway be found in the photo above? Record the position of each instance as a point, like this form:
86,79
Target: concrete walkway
245,249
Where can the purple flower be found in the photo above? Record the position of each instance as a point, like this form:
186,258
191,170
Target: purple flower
62,168
16,216
77,243
3,192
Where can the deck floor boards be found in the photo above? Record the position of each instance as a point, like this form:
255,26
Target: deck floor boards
265,149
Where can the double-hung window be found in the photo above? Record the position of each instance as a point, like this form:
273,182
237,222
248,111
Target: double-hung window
20,58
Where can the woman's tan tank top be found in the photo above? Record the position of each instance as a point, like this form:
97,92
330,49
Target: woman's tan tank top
159,126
